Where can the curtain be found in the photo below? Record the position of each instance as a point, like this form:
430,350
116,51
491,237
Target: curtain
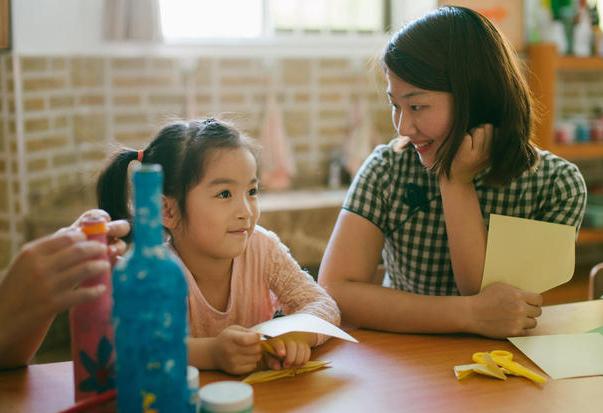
132,20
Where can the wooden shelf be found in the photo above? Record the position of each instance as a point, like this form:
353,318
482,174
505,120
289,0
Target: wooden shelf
586,150
579,63
544,66
589,236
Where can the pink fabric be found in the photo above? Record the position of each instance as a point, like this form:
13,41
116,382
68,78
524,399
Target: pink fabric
278,164
265,277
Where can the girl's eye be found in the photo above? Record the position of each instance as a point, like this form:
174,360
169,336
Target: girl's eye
253,191
416,108
224,194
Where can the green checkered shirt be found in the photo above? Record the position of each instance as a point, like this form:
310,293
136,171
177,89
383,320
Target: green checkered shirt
415,253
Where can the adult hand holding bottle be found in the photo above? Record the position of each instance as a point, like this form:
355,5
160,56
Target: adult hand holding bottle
42,281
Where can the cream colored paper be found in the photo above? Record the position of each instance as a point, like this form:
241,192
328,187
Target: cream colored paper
532,255
301,322
563,356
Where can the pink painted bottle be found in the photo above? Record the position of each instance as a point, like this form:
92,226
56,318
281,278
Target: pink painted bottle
92,342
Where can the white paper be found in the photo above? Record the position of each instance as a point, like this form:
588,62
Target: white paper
301,322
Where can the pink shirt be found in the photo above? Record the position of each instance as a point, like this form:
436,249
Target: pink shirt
265,277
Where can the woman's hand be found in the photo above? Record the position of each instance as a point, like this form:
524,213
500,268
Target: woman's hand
292,350
473,154
236,350
501,311
115,231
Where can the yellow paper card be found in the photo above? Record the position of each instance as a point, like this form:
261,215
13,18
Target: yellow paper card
532,255
303,323
270,375
564,355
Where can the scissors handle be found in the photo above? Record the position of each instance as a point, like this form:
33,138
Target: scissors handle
519,370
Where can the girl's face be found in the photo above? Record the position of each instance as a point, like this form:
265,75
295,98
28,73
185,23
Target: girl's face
222,210
424,116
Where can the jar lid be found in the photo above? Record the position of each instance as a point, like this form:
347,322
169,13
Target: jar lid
226,396
94,225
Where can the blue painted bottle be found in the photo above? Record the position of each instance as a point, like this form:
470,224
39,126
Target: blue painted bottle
150,311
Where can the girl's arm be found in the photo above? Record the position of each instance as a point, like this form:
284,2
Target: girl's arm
296,290
348,265
465,227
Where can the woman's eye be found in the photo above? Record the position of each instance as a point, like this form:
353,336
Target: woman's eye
253,191
416,108
224,195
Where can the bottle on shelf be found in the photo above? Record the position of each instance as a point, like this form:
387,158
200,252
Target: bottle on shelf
583,34
150,311
91,330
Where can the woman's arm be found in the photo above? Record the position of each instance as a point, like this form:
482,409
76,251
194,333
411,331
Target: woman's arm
465,227
350,260
347,267
466,233
43,280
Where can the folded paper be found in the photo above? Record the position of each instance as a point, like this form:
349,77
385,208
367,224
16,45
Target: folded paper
270,375
498,364
532,255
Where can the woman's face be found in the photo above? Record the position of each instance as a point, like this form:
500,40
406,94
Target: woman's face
424,116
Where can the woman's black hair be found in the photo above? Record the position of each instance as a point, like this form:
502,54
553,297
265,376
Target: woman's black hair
457,50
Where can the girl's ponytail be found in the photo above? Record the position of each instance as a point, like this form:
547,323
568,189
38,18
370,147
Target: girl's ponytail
112,185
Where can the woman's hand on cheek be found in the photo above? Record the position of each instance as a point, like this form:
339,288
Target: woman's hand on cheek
473,154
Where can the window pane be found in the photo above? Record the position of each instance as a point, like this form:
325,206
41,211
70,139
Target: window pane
344,15
193,19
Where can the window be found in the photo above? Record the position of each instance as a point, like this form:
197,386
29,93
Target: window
190,20
186,20
328,15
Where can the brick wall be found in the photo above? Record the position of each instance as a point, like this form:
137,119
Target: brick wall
61,116
71,112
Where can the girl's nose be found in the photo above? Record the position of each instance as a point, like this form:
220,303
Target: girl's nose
245,209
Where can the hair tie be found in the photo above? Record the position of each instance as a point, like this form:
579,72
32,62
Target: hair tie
140,155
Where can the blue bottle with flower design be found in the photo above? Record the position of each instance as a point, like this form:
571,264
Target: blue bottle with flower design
150,311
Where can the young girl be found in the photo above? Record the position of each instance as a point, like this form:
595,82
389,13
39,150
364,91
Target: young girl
237,271
463,114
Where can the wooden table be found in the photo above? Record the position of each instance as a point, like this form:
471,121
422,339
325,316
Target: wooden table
384,373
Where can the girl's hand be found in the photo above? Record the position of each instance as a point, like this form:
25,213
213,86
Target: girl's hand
501,311
236,350
293,350
473,154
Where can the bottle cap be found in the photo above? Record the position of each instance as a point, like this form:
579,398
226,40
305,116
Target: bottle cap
93,226
192,377
226,397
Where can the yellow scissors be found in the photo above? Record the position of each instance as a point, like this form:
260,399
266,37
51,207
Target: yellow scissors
504,359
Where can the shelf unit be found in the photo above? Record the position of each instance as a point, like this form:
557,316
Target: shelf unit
544,64
588,236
